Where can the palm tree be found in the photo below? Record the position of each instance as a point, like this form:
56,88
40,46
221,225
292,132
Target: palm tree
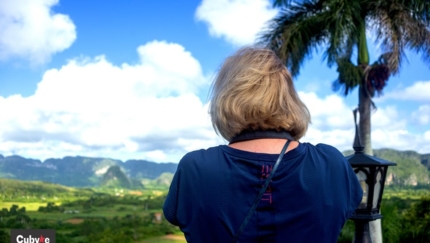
339,27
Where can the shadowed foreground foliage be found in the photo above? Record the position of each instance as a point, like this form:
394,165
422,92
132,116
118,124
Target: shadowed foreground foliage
404,220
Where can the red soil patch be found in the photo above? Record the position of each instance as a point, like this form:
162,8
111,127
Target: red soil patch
75,221
135,193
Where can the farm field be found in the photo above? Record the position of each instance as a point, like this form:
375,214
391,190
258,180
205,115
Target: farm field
29,206
127,216
406,193
124,216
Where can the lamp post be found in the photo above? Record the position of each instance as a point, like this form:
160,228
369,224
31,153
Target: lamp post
371,172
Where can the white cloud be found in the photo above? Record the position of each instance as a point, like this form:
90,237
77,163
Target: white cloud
91,107
237,21
151,110
329,112
422,115
388,118
419,91
30,30
332,123
427,137
401,139
390,130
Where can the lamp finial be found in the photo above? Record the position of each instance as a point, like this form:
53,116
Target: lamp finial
358,147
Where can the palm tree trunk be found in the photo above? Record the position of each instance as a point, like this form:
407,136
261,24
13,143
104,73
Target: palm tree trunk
364,98
365,108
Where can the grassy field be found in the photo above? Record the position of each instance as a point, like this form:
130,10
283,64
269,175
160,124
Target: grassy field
95,218
95,212
66,217
120,211
405,193
29,206
176,238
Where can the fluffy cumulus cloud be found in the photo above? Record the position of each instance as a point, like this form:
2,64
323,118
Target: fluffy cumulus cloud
152,110
422,115
390,130
91,107
29,30
332,123
332,120
236,21
418,91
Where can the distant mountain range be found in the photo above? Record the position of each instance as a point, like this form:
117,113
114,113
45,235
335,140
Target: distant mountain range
81,171
412,169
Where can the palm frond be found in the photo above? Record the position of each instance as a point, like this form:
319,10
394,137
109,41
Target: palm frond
283,3
420,10
350,76
400,25
295,33
305,26
342,19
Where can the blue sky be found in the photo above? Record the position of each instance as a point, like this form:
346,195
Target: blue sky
130,80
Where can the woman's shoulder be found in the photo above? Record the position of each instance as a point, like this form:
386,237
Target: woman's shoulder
327,147
323,148
203,152
199,156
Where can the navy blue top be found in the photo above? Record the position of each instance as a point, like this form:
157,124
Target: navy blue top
313,192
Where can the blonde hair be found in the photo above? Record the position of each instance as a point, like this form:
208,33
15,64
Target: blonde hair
253,90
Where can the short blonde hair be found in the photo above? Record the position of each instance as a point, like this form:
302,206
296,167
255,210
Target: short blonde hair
253,90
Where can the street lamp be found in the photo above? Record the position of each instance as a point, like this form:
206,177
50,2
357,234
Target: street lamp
371,172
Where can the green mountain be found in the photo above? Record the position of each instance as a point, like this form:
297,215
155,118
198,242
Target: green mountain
11,188
163,181
79,171
412,168
115,177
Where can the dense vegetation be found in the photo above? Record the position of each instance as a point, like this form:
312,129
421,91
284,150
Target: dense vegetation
99,219
39,191
123,209
404,220
102,215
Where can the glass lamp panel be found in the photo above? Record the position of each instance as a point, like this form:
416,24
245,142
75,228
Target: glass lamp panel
377,190
362,177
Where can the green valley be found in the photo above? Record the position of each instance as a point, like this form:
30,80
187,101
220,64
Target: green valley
113,201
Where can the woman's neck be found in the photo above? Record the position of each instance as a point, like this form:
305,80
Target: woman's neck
264,145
